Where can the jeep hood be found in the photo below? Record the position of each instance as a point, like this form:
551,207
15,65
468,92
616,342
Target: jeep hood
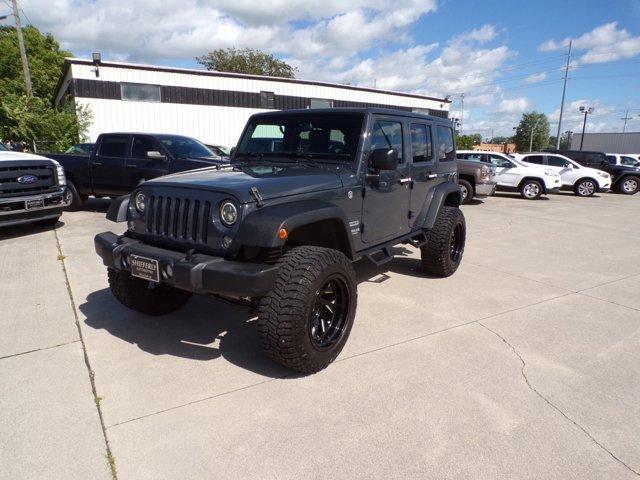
271,180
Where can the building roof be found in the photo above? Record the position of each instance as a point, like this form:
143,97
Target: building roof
192,71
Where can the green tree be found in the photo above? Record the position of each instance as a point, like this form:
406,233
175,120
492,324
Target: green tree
466,142
246,60
539,124
35,118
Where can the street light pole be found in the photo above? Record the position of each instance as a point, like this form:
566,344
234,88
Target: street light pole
586,111
23,51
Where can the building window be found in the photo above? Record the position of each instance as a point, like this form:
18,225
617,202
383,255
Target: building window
140,92
320,103
267,100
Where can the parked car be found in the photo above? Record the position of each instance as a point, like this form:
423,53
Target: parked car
623,179
80,149
627,160
281,229
512,175
583,181
476,179
119,162
32,189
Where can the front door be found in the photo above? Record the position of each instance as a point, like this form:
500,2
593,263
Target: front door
563,168
139,166
507,174
385,207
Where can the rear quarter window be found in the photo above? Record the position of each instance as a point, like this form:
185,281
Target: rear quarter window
446,145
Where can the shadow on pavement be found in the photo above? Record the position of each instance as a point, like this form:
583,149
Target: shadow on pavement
517,196
26,229
208,328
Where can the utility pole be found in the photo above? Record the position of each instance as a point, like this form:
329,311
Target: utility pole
586,111
23,52
462,113
564,91
533,129
626,118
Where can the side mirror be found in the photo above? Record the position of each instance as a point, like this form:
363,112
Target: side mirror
384,159
569,166
155,155
232,151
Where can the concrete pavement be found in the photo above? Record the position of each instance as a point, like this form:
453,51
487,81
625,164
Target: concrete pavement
522,365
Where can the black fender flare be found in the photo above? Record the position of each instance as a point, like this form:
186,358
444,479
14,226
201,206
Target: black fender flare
445,193
118,209
260,228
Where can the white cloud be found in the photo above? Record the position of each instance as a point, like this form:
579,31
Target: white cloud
514,105
605,43
536,77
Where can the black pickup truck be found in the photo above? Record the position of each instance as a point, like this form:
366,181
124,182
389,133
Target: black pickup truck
119,162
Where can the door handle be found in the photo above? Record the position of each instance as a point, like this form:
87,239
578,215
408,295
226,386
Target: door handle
405,180
132,166
96,164
432,176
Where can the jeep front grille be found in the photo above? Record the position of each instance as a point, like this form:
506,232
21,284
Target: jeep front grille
178,218
10,187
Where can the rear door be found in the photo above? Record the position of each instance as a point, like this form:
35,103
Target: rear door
385,206
423,160
108,165
139,166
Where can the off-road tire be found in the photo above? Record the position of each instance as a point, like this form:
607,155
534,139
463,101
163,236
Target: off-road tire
464,185
631,180
77,200
285,313
437,255
531,186
145,297
47,222
586,187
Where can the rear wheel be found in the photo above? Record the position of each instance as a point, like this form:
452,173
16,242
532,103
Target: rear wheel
442,254
466,191
73,198
306,319
585,187
630,185
531,189
144,296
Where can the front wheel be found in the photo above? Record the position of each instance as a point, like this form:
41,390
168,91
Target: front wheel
144,296
442,254
586,188
305,320
531,190
466,191
630,185
73,198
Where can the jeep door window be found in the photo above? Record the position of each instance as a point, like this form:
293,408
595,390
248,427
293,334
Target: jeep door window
387,134
557,162
421,146
305,136
475,157
500,162
537,159
185,147
446,145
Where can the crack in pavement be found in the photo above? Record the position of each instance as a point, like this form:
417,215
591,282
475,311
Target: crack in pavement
38,349
552,405
96,398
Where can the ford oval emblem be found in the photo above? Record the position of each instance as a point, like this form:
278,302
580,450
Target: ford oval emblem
27,179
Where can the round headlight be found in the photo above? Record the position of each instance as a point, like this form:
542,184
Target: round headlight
228,213
140,202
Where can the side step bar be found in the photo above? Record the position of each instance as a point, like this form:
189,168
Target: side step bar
383,254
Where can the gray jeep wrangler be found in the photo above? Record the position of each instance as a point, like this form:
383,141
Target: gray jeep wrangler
308,193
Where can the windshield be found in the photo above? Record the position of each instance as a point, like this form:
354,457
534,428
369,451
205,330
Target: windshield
2,147
183,147
326,136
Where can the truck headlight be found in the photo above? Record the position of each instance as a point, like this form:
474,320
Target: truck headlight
228,213
140,201
62,180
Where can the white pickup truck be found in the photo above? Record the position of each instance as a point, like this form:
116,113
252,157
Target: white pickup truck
32,189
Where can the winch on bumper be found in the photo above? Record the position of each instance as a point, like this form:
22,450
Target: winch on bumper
197,273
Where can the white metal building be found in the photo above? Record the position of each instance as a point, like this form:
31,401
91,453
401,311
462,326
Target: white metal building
210,106
628,142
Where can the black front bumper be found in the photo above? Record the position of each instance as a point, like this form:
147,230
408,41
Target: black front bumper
195,273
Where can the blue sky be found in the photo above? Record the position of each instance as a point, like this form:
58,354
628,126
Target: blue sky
505,56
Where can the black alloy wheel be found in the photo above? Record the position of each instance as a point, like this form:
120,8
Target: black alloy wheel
329,313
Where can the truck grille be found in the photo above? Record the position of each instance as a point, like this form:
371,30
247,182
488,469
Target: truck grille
9,185
178,218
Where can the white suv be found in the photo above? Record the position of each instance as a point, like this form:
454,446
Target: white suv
584,181
515,176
